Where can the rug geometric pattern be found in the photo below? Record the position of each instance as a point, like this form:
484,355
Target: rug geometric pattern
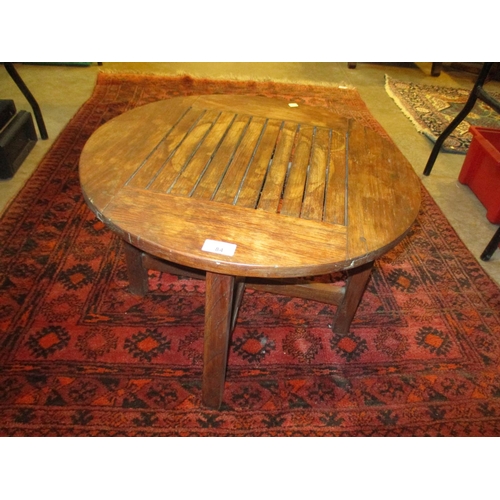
431,109
81,356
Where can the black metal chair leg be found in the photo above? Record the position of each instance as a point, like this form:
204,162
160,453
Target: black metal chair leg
492,246
29,96
459,118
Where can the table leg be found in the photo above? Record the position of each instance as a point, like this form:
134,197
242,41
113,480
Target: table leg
218,312
355,286
137,273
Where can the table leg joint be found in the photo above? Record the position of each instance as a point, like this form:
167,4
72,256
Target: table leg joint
355,286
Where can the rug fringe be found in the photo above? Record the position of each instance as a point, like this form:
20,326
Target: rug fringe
422,130
229,78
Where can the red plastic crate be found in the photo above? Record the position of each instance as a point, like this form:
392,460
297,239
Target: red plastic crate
481,169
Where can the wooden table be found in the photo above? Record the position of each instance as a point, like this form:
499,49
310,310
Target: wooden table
253,191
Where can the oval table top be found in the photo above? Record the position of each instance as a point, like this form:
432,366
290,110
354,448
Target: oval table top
249,186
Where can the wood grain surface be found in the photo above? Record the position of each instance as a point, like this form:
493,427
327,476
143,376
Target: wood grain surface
298,190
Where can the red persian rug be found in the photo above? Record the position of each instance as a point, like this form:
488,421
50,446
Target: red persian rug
81,356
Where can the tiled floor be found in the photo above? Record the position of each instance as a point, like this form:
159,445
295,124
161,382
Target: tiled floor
61,90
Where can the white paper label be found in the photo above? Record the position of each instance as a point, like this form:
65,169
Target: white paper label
220,247
293,104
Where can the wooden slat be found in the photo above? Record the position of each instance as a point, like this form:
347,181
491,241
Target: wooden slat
277,109
267,245
313,203
271,192
216,171
229,187
335,199
321,292
115,151
356,161
380,210
250,188
178,161
190,176
159,156
297,175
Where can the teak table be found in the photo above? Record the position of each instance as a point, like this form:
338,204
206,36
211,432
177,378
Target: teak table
249,190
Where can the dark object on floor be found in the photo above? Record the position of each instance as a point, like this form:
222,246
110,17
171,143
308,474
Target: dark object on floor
29,96
16,141
7,111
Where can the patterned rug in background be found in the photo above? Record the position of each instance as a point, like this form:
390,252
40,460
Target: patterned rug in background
431,108
81,356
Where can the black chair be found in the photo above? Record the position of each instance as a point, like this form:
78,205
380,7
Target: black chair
478,92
